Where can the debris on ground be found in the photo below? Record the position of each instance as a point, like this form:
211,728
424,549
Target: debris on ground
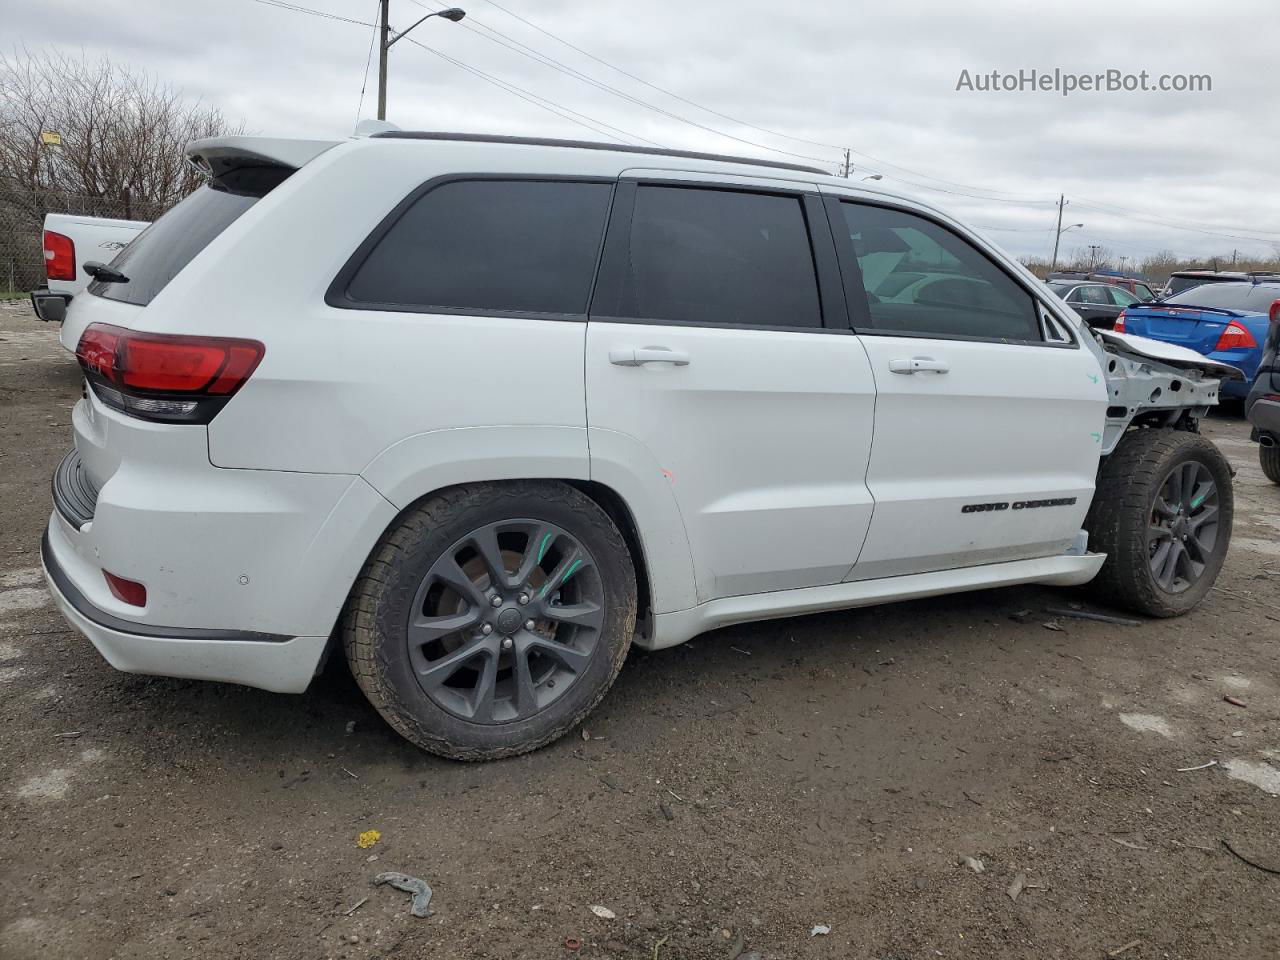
351,726
358,904
1088,615
820,930
1054,625
974,864
1253,863
421,906
572,943
604,913
1234,701
658,946
1022,616
1128,843
368,839
666,809
1127,947
1203,766
1018,885
586,734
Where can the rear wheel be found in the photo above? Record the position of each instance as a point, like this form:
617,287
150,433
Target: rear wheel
1162,513
1269,457
492,618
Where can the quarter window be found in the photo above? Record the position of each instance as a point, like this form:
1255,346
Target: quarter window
717,257
921,278
519,246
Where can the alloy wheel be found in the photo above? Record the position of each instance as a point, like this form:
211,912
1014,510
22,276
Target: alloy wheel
1182,530
506,621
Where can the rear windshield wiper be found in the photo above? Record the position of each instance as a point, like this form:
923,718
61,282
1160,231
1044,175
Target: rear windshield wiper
103,273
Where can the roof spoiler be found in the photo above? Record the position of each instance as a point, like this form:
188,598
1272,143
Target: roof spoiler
216,156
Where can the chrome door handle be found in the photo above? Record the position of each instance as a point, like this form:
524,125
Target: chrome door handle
918,365
637,356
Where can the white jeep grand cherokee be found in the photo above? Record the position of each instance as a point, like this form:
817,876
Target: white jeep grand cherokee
486,411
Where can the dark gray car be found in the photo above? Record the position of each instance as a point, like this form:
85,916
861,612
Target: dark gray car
1098,303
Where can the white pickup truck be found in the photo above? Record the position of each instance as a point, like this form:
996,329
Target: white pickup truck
71,241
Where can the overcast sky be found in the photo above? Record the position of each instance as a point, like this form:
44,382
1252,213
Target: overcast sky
878,78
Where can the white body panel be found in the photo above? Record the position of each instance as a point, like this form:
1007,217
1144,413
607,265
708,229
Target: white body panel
763,438
95,238
754,474
1006,424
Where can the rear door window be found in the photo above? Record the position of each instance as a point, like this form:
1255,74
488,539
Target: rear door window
159,253
716,257
485,246
951,288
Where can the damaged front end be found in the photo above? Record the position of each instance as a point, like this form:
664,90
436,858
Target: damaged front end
1150,383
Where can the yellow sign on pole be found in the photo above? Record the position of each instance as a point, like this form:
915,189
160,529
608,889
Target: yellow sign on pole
51,138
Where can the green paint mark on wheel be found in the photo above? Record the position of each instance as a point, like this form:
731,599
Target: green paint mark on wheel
1199,500
569,573
542,548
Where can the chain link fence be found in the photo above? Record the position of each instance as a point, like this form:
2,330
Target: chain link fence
22,215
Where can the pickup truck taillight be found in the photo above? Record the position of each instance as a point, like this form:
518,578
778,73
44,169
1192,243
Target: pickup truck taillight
59,256
165,377
1235,337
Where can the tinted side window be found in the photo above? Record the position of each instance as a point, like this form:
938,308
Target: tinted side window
1121,297
162,250
526,246
1095,295
960,292
718,257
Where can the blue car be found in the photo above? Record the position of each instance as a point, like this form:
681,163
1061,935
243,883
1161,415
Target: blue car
1224,321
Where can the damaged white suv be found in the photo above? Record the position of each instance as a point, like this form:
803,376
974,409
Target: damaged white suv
483,412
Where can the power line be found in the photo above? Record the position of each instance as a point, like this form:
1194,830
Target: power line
538,101
367,61
744,123
547,61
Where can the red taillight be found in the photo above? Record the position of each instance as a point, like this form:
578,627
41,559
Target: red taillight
126,591
1119,327
1275,310
166,376
1235,337
59,256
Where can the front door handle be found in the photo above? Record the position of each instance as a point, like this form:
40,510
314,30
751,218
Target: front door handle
918,365
637,356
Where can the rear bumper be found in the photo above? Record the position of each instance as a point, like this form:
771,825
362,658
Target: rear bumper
1264,415
268,661
49,306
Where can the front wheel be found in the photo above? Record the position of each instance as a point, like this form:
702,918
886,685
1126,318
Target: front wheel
492,618
1162,513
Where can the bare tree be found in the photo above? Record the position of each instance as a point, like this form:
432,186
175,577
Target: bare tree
122,136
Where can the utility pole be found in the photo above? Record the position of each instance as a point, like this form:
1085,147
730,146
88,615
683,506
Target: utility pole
1093,255
384,30
847,167
1062,202
1122,260
386,41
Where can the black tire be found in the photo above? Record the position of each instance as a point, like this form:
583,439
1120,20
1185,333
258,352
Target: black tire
1269,457
376,621
1124,509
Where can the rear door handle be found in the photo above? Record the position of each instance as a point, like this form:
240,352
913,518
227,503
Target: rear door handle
919,365
638,356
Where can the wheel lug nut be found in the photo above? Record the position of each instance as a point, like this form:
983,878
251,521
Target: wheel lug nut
529,624
507,643
495,601
523,598
487,629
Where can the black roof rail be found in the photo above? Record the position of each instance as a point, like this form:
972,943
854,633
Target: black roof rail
593,145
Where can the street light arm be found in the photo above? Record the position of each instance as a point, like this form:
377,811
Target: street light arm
453,13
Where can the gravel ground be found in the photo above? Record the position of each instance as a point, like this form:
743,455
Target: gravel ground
734,793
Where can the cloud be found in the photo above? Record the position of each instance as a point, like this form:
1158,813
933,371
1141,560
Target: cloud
880,79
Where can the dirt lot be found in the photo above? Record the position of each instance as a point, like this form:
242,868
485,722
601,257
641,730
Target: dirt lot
734,793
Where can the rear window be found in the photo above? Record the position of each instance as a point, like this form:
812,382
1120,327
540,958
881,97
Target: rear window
159,253
1251,297
506,246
